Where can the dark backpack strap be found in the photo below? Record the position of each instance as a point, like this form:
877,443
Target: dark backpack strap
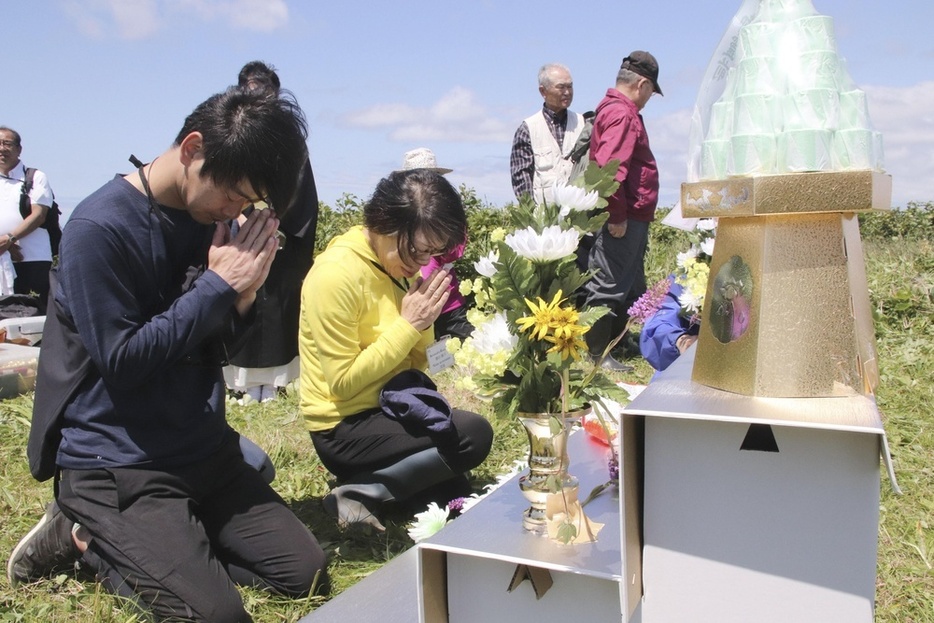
51,223
582,145
25,204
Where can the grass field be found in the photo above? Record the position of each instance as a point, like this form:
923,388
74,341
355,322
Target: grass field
901,282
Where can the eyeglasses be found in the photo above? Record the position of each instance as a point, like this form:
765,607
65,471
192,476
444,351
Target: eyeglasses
9,144
419,255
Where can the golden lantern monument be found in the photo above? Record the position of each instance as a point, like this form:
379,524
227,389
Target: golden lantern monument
787,160
759,448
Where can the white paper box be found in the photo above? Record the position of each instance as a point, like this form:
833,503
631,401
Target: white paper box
465,569
738,535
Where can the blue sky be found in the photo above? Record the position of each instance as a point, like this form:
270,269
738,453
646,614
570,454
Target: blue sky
87,82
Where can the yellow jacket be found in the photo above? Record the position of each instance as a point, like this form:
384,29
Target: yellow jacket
351,337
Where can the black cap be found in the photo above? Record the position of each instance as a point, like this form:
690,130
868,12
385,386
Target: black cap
645,65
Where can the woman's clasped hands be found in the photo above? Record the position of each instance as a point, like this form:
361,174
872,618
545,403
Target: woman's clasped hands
426,297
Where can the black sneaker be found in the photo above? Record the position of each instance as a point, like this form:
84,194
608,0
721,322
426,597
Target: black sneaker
46,550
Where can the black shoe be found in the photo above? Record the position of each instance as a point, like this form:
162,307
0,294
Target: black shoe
46,550
609,363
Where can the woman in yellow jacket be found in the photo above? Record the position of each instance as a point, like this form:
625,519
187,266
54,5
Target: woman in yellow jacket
367,316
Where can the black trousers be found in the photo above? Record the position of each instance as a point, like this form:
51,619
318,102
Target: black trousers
619,282
33,277
179,541
369,441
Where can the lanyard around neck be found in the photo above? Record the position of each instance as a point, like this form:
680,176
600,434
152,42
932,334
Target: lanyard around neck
153,204
379,267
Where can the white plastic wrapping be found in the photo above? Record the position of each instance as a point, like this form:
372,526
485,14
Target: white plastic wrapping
777,98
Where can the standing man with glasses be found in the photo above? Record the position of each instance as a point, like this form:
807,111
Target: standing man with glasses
152,493
21,236
543,141
618,252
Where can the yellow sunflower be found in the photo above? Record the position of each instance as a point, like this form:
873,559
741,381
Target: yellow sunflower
541,319
564,322
569,345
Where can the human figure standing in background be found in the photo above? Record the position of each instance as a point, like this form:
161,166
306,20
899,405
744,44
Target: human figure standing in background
453,319
618,252
269,358
543,140
21,238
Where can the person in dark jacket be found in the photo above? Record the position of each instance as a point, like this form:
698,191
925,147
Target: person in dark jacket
268,359
153,494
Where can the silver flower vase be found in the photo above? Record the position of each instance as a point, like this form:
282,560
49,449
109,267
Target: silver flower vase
548,464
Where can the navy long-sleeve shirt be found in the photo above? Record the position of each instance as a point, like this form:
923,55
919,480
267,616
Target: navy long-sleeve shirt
155,396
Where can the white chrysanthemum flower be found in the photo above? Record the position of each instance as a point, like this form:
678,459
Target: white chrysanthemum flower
687,257
573,198
706,246
493,336
552,244
428,522
707,224
486,266
690,301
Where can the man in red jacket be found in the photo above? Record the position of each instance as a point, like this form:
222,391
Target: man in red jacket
618,252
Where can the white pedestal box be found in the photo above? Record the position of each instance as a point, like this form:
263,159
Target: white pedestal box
462,574
465,570
757,509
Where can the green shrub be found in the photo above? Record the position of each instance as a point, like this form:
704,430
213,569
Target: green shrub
915,222
335,221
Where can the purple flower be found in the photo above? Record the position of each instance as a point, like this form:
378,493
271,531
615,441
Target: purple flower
456,505
613,466
648,303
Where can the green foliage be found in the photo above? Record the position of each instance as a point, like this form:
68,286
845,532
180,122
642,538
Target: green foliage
516,277
915,222
600,179
334,221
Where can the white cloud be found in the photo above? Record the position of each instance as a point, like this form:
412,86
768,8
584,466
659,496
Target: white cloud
139,19
458,116
257,15
905,117
668,137
131,19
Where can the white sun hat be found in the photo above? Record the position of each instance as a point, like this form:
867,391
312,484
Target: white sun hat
422,158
